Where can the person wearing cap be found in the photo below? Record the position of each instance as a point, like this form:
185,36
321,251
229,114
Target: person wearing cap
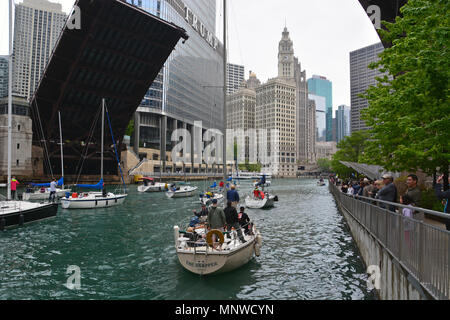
388,192
233,196
203,214
444,196
216,217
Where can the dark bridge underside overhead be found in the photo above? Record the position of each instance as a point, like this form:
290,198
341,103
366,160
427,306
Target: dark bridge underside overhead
116,55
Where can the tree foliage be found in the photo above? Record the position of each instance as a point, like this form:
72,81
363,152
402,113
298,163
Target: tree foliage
409,108
351,149
324,164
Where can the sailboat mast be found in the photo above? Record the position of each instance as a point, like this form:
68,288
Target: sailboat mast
225,89
62,152
10,61
103,135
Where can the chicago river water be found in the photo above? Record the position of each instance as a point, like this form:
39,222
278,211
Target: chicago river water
128,252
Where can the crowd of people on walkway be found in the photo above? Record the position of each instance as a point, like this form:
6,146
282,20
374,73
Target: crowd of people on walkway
386,190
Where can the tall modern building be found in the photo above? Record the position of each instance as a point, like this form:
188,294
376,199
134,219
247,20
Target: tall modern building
361,78
4,75
321,117
38,24
235,77
343,117
321,86
188,89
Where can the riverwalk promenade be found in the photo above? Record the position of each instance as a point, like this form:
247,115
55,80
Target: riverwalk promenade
410,259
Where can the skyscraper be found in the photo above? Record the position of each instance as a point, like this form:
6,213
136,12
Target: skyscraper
321,86
235,77
343,116
38,24
321,117
361,78
4,74
189,88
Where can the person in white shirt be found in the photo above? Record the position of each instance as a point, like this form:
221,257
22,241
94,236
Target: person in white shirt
53,186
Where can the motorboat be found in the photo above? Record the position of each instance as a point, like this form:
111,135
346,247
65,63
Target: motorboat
208,197
151,186
182,192
265,185
321,183
206,257
18,213
267,202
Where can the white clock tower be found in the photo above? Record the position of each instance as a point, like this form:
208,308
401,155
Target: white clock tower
286,56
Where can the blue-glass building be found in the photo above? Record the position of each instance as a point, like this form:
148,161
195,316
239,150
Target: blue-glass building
190,86
321,86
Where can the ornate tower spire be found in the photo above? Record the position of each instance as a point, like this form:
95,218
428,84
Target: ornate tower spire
286,56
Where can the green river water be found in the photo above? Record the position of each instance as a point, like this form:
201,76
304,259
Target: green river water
128,252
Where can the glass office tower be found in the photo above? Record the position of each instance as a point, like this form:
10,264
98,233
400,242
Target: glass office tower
320,86
190,86
321,119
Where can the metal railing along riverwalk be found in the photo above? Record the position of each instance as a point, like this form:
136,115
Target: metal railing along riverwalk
423,250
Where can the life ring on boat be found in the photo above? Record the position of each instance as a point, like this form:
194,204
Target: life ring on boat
210,234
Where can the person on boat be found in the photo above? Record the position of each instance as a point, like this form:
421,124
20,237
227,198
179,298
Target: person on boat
216,219
232,218
52,196
203,214
233,196
244,221
14,184
256,193
221,184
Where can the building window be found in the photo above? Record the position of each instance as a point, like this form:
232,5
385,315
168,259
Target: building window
17,162
18,146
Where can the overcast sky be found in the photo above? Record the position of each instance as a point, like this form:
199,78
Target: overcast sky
323,31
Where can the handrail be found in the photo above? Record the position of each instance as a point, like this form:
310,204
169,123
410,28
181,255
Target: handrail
399,205
420,249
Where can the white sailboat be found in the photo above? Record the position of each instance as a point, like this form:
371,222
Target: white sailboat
94,200
258,203
42,191
182,192
204,257
17,213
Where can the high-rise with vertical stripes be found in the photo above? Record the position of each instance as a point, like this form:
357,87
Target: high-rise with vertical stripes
38,24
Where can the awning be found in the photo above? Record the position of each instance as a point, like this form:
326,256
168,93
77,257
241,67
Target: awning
370,171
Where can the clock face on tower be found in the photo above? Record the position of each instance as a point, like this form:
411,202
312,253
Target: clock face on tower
285,57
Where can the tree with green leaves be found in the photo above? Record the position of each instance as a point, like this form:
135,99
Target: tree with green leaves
409,108
351,149
324,165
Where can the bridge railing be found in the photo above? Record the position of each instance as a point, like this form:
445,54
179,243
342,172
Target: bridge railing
421,248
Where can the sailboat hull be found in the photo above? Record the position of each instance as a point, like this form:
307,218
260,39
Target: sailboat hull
93,202
15,218
43,195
